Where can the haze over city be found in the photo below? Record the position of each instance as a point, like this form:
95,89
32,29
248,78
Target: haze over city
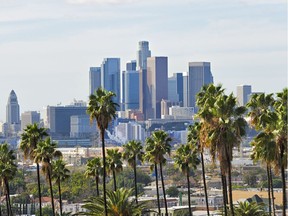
46,48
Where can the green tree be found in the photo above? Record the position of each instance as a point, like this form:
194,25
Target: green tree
186,158
94,168
44,153
133,153
118,204
157,146
59,174
30,138
102,108
8,169
114,164
47,211
250,209
172,191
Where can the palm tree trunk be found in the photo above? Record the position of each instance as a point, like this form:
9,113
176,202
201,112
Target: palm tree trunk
104,170
284,198
135,180
97,183
60,196
7,204
230,189
157,189
224,188
204,183
272,192
8,195
114,179
164,192
39,189
269,194
51,190
189,198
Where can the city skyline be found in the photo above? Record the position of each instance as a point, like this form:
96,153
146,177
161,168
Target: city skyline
47,48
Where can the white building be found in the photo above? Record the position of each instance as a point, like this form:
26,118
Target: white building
129,131
181,112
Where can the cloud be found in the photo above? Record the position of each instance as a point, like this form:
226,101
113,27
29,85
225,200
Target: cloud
100,1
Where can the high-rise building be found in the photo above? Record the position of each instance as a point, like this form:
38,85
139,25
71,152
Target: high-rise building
157,83
94,79
243,93
12,110
199,75
175,88
185,90
131,89
142,54
110,76
29,117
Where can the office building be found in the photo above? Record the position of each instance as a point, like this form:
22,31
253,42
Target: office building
157,83
199,75
110,76
243,94
81,127
131,89
94,79
181,112
29,117
175,88
185,90
129,131
12,110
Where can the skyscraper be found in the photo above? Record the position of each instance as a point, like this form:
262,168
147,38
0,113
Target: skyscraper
243,93
12,109
29,117
131,86
175,88
199,75
185,90
142,54
157,81
94,79
110,76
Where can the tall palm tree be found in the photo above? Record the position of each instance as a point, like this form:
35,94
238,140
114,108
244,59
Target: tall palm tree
114,164
102,108
133,153
193,139
30,138
94,168
157,146
8,169
44,153
186,158
59,174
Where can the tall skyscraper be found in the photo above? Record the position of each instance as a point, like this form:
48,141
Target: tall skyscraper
12,110
157,81
142,54
199,75
94,79
175,88
185,90
110,76
29,117
243,93
131,86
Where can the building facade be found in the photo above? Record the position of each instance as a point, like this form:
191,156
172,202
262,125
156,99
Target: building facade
12,109
175,88
29,117
243,94
94,79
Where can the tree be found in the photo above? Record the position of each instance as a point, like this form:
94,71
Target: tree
30,138
157,146
59,174
102,108
186,158
94,168
44,153
118,204
133,153
172,191
114,163
193,138
8,169
250,209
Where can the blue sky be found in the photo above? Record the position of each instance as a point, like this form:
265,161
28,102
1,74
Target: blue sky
47,46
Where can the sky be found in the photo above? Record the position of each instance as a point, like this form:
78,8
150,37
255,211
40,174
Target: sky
48,46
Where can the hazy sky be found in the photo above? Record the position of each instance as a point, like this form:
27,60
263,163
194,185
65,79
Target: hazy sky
47,46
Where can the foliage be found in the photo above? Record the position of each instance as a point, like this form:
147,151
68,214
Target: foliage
46,211
250,209
172,191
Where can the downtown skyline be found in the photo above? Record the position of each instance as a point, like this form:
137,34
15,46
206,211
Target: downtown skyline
46,49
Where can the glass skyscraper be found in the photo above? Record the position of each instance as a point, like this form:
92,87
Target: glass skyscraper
94,79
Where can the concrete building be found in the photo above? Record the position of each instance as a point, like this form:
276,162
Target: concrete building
181,112
185,90
129,131
157,81
94,79
243,94
199,75
12,109
80,126
175,88
29,117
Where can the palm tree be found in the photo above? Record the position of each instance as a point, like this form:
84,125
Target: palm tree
8,169
250,209
114,163
132,153
94,168
59,174
118,203
102,108
30,138
186,158
44,153
193,138
157,146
